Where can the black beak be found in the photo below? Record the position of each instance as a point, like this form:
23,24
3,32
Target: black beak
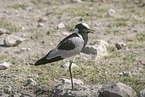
91,31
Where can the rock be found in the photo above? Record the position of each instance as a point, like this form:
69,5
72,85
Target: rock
3,31
40,24
43,19
11,40
65,33
90,49
76,1
4,66
120,45
65,90
98,42
25,49
98,48
117,90
110,12
75,81
142,93
66,65
7,89
61,25
125,73
31,82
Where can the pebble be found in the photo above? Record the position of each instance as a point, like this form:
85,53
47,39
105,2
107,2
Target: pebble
125,73
76,1
65,33
75,81
3,31
4,66
60,26
25,49
12,40
120,45
43,19
40,24
31,82
111,12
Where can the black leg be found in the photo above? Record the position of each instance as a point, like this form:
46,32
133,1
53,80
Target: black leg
70,63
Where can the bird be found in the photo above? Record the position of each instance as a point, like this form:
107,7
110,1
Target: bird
68,47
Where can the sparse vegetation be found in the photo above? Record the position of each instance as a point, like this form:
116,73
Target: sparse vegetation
10,26
17,6
127,25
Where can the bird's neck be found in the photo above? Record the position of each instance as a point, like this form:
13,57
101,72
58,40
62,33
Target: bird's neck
85,38
83,35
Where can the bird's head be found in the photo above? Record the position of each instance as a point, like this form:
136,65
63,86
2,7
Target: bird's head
82,28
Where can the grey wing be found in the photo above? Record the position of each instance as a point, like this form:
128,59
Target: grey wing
75,42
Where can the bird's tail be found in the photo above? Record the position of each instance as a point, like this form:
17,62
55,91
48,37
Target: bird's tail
44,60
41,61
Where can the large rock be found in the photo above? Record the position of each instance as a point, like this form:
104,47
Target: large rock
117,90
142,93
12,40
79,91
97,48
4,31
4,65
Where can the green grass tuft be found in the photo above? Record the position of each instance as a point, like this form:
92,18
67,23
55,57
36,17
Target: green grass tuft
18,6
10,26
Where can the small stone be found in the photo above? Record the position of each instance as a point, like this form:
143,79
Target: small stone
75,81
25,49
12,40
125,73
7,89
66,65
76,1
60,26
31,82
44,19
121,74
65,33
3,31
4,66
110,12
40,24
142,93
120,45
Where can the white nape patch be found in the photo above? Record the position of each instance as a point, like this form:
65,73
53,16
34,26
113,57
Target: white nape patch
76,31
86,25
